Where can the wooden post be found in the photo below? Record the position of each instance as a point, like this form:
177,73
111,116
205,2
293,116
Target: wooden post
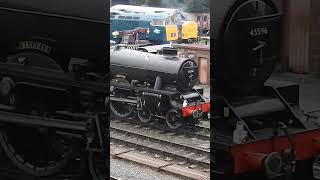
298,35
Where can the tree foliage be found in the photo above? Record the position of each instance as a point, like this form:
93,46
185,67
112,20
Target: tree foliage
158,3
197,6
192,6
137,2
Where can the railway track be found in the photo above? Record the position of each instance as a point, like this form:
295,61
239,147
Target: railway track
188,139
180,152
173,150
199,132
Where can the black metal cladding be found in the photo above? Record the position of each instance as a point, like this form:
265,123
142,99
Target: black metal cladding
75,28
145,67
247,35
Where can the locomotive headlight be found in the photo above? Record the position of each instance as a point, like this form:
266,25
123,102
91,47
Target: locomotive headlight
115,33
239,134
185,103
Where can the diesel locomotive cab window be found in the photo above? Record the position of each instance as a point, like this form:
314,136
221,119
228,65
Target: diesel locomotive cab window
158,22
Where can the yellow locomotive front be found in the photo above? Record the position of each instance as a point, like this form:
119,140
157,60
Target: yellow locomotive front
179,28
172,33
186,32
189,31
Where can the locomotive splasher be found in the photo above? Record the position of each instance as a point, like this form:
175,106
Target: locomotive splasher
155,86
259,128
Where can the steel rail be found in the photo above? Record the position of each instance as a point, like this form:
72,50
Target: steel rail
183,150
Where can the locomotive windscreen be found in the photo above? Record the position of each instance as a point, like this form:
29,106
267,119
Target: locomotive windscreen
247,45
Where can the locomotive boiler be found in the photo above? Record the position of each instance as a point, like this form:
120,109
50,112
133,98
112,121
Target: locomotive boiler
166,71
258,125
54,89
155,86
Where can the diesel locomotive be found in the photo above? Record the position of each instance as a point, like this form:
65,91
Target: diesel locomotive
164,24
155,86
54,89
258,125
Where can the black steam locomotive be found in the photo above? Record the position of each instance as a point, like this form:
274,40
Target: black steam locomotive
154,85
258,126
54,88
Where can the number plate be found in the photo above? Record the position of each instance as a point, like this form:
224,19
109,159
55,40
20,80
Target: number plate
34,45
258,31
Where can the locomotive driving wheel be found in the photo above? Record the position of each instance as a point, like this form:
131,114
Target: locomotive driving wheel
145,115
37,151
121,109
96,163
173,119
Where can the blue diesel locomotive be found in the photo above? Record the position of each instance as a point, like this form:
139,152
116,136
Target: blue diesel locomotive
164,24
